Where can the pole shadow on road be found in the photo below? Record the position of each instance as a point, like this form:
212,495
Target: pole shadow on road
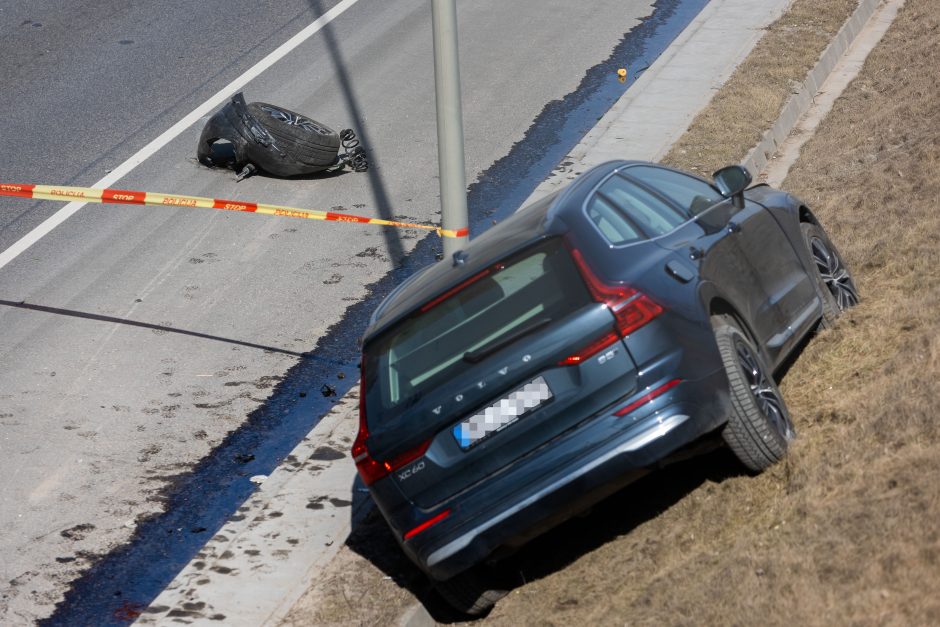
143,325
396,251
553,551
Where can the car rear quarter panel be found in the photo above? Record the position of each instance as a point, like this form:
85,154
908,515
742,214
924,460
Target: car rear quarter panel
680,342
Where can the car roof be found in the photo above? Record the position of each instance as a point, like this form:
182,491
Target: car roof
546,217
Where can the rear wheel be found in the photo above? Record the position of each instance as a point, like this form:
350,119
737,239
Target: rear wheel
473,592
836,287
759,429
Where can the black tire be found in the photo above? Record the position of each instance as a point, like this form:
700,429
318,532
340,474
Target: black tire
835,285
759,429
305,140
472,592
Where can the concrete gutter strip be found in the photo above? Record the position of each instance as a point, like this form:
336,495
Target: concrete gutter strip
800,102
267,556
844,72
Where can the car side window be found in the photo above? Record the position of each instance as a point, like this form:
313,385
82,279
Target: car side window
649,213
690,193
612,224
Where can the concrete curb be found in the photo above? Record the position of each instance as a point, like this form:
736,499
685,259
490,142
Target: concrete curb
800,102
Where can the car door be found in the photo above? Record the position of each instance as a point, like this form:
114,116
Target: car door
741,251
791,296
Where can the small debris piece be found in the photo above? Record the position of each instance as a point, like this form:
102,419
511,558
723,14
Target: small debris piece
328,390
128,611
258,479
245,172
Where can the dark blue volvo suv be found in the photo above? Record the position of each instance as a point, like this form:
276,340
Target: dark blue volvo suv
575,346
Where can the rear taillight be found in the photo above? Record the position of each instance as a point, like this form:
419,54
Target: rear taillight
427,524
646,398
371,470
631,308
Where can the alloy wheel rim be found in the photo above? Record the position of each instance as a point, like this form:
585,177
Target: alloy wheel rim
834,274
763,390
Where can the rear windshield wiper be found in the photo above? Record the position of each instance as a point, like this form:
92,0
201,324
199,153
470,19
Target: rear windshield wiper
483,352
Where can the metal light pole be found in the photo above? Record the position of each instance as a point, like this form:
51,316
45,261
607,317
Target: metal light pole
449,125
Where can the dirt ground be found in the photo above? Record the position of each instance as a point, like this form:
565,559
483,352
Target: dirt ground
845,530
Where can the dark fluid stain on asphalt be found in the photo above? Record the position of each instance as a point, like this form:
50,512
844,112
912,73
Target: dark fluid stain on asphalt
78,532
326,453
132,575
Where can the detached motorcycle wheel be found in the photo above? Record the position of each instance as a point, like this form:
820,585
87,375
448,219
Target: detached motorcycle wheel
272,139
301,138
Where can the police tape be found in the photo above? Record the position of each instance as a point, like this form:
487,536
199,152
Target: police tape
126,197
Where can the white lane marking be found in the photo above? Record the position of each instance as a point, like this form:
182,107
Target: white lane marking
170,134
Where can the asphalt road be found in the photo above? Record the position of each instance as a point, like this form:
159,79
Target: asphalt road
135,338
86,84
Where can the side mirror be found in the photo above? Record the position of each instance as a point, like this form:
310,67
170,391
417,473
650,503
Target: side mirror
732,181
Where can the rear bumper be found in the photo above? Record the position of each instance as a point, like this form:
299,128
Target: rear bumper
542,491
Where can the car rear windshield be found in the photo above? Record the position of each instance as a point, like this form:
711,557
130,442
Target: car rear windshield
511,300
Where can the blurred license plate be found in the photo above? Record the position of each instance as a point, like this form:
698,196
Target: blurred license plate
502,413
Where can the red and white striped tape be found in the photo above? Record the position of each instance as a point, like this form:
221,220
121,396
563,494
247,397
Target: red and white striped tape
127,197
